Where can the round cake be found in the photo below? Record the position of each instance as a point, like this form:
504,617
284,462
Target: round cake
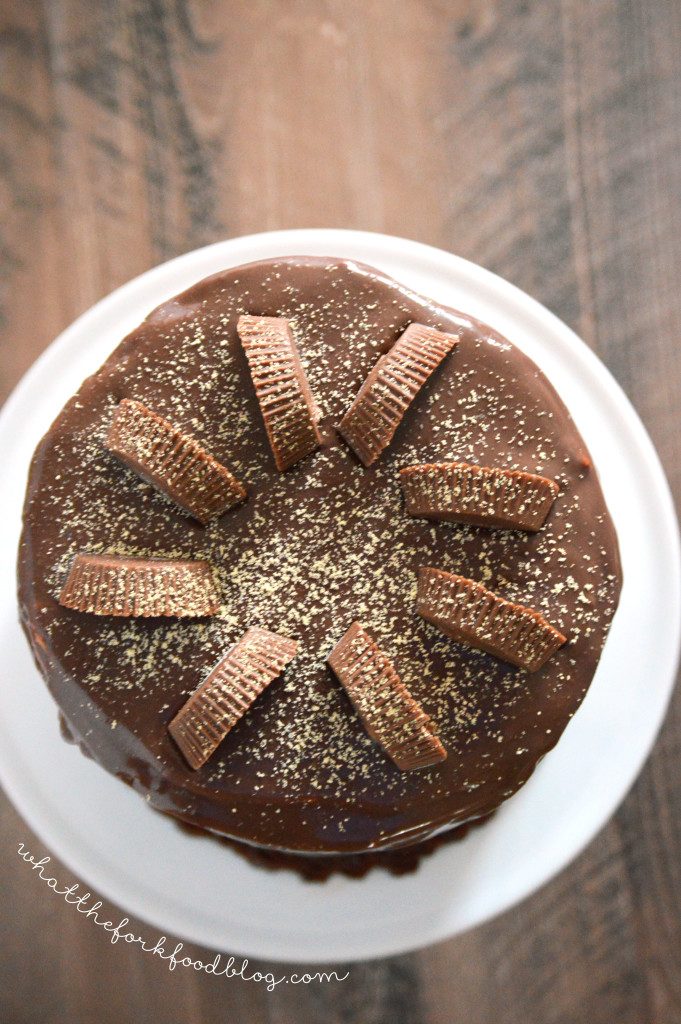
351,643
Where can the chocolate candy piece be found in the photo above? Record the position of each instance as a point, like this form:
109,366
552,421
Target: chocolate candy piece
286,402
228,692
172,462
463,493
469,613
370,423
388,711
111,585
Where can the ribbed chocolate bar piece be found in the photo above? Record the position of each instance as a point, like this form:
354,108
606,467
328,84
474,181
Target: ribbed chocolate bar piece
173,462
111,585
370,423
464,493
228,692
466,611
286,401
388,711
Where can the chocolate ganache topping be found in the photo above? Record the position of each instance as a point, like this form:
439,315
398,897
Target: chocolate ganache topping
312,550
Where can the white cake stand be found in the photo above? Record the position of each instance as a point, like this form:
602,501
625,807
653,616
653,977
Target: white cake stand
197,889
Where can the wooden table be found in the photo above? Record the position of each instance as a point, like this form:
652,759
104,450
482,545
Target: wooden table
540,138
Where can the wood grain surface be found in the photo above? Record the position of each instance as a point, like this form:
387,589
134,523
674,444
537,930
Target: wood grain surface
540,138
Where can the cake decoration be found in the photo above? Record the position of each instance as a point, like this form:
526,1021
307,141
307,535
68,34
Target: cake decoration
281,387
388,711
466,611
461,492
111,585
225,696
172,461
370,423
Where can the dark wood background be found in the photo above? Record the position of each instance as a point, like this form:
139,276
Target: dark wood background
540,138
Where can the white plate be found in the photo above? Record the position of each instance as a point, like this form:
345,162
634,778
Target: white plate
197,889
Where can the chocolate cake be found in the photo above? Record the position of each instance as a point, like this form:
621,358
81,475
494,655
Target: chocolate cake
317,565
